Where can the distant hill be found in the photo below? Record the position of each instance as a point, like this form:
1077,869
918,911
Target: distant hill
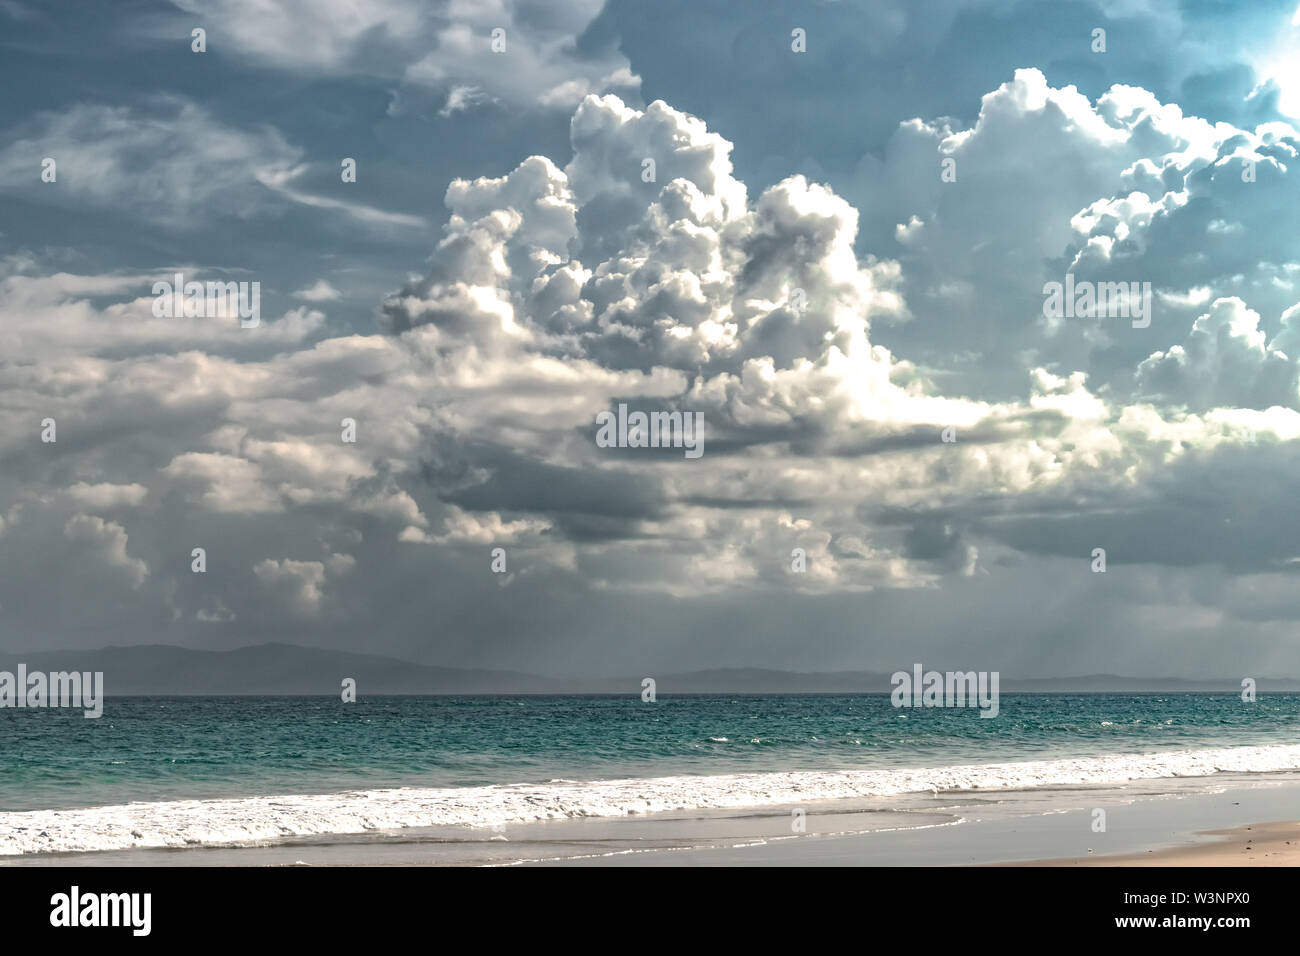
269,669
291,669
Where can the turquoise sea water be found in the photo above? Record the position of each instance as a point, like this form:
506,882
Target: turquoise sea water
166,748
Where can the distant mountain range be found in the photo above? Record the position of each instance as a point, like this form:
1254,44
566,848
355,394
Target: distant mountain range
149,669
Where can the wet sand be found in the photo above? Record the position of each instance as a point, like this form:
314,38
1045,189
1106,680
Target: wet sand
1266,844
1243,821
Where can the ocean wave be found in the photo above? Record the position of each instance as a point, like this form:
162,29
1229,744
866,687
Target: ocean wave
180,823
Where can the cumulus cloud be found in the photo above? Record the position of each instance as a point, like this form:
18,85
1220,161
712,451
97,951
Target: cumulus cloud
103,495
318,291
300,580
55,316
757,314
486,528
905,421
106,541
301,583
556,293
1224,362
1152,195
223,482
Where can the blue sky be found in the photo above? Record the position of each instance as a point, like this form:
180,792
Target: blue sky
800,271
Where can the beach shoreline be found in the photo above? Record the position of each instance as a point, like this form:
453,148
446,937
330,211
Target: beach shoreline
1259,844
1237,820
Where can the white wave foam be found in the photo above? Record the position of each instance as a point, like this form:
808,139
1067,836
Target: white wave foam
177,823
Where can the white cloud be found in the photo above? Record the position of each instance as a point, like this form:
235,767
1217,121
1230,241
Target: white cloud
305,34
486,528
444,44
302,583
104,495
106,541
227,483
169,159
1224,362
556,293
319,291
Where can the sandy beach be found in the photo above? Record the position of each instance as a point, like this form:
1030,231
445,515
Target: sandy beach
1242,821
1264,844
1145,827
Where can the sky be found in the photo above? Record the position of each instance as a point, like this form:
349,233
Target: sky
828,230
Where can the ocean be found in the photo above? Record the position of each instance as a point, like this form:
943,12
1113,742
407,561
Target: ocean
232,771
